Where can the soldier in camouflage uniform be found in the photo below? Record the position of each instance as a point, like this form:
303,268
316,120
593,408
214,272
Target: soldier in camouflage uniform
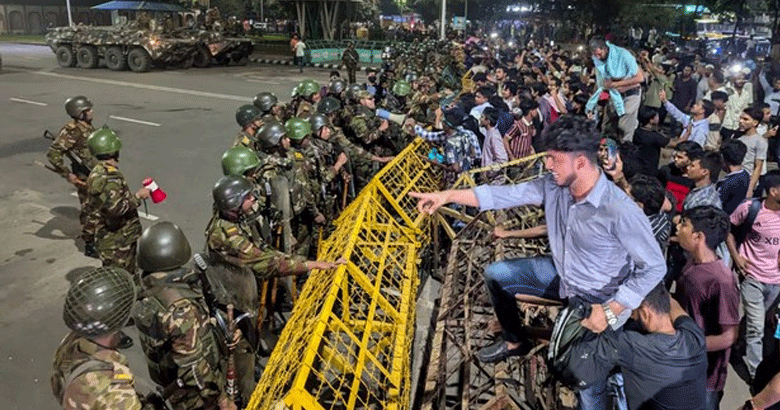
350,58
305,97
270,107
111,204
72,140
89,372
396,101
172,318
240,260
329,162
363,164
248,118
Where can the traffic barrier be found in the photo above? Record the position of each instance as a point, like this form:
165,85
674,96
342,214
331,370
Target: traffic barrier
348,343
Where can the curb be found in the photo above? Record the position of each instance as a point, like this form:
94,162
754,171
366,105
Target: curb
330,66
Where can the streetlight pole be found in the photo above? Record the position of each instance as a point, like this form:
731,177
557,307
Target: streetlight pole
70,17
442,20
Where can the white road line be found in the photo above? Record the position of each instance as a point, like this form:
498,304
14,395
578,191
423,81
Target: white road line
28,102
147,86
140,213
153,124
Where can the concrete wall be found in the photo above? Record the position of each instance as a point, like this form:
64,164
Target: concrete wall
21,19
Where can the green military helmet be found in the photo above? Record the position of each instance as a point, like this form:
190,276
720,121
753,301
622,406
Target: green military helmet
297,128
238,160
265,101
328,105
317,121
271,133
306,88
402,88
104,141
163,247
229,193
352,91
99,302
337,86
246,114
75,106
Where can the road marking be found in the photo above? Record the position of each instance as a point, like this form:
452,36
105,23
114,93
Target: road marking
147,86
153,124
140,213
28,102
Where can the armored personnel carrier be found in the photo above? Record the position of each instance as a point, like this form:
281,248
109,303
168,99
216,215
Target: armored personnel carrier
119,47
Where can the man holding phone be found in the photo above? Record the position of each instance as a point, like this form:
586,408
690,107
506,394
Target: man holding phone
602,245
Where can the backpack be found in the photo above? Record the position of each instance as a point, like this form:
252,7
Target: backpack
742,230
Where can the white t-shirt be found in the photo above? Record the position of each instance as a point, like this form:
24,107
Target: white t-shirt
299,49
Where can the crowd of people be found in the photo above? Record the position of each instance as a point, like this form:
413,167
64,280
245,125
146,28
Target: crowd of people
622,229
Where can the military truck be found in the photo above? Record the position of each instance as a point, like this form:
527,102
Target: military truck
119,47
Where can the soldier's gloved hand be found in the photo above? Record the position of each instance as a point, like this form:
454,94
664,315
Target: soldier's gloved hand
340,161
319,219
384,125
236,339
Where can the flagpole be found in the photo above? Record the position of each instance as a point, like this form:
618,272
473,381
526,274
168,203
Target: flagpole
70,17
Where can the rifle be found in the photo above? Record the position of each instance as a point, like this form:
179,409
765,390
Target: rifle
230,374
76,166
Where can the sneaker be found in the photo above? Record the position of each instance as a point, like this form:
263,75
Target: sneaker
499,351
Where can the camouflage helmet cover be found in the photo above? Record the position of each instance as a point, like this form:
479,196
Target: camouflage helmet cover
99,302
163,247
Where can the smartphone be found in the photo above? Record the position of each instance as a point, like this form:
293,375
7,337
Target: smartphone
612,152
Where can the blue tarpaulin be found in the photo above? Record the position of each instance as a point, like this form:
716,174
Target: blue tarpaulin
139,5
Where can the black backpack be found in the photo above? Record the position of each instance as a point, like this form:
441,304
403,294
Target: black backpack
742,230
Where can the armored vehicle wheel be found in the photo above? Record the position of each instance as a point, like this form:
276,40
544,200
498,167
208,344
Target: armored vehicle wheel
202,57
116,59
87,57
65,56
139,60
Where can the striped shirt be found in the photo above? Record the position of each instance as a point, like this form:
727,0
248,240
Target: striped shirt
519,137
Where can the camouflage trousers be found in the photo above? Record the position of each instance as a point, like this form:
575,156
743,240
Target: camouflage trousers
351,70
122,257
87,233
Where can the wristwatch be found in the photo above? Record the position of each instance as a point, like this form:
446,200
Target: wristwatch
611,318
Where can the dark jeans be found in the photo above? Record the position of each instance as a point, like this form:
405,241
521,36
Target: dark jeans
528,276
713,400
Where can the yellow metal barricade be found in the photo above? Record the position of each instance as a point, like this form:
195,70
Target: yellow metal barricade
348,343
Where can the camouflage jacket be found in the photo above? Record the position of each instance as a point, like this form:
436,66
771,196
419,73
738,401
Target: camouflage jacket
244,140
233,243
296,168
177,338
420,106
355,152
394,104
365,125
305,109
88,376
72,138
112,208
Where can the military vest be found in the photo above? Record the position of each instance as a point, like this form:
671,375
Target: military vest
147,312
